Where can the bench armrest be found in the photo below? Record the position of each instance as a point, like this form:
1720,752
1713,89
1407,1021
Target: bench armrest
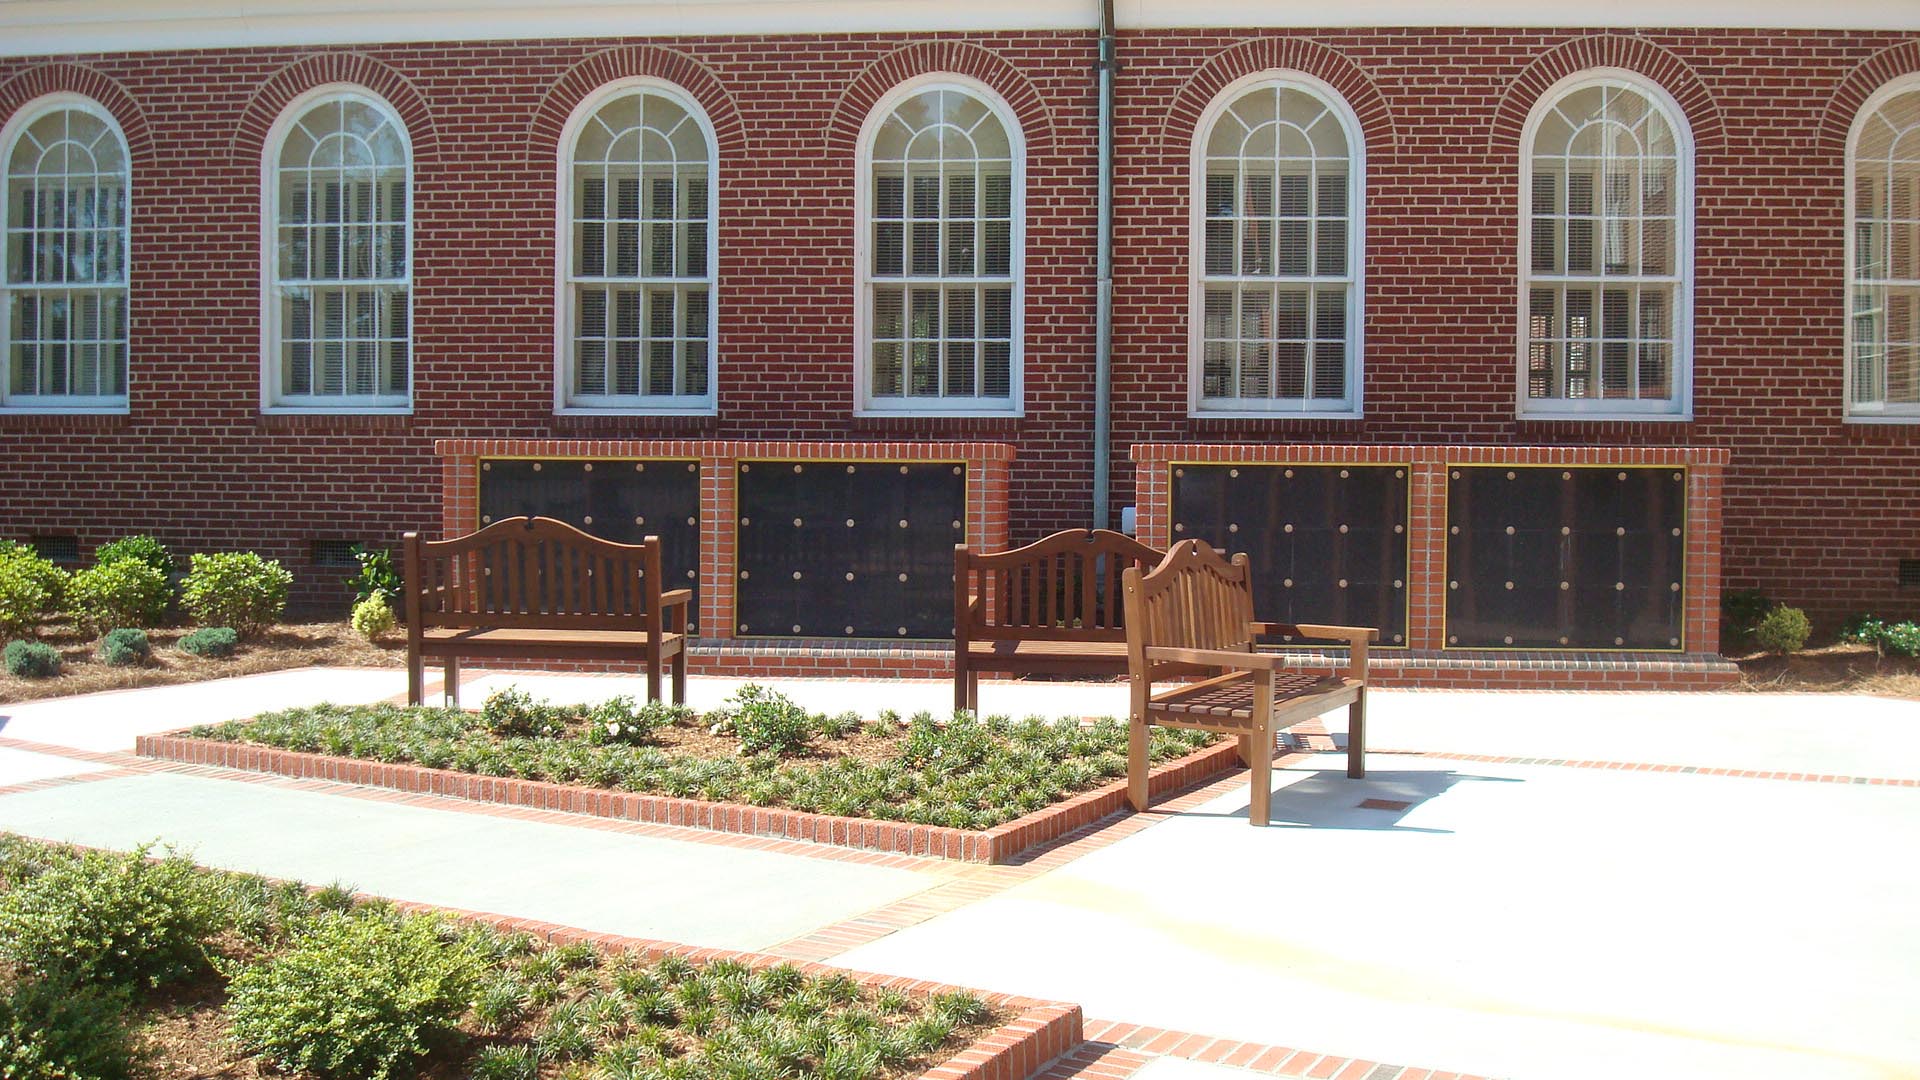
1229,658
673,598
1350,634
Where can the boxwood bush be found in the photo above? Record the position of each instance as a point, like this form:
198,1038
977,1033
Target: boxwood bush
373,616
238,589
31,588
140,549
110,918
361,995
31,660
1784,630
124,593
63,1028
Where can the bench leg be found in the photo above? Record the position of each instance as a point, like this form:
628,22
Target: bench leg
1137,764
653,680
680,676
416,680
451,673
1262,779
959,689
973,692
1357,736
1249,749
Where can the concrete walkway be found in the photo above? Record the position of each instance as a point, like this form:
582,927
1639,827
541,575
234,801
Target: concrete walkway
1484,913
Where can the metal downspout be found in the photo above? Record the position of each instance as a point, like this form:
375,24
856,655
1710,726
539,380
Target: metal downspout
1103,310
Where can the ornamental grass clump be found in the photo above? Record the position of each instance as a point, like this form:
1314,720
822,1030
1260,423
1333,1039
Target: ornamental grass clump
236,589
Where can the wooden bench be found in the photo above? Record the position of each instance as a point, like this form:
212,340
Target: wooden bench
540,589
1195,611
1050,608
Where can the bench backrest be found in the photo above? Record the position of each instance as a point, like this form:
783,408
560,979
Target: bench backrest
1063,587
534,573
1195,599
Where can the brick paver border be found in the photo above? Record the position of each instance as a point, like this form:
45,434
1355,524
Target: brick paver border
1001,844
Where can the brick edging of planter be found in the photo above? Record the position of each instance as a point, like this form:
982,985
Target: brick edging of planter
1016,1050
1000,844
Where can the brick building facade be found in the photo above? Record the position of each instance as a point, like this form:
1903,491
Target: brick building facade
1818,510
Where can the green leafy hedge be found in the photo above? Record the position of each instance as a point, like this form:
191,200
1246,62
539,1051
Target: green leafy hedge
237,589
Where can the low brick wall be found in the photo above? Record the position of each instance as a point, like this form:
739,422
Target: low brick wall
1000,844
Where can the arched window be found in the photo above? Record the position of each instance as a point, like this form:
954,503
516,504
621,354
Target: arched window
338,261
1278,206
63,293
1883,347
1607,240
637,253
941,208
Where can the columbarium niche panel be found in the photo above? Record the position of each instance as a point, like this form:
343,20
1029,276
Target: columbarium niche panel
1554,557
848,549
1327,543
622,500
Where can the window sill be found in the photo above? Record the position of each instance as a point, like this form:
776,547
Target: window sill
638,412
1273,414
1604,417
939,414
1883,419
343,410
121,409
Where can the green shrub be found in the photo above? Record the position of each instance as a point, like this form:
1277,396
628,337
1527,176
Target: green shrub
62,1028
210,641
31,588
514,713
112,918
237,589
1741,611
619,720
125,647
32,660
1887,638
766,721
1784,630
361,996
373,616
124,593
141,549
376,575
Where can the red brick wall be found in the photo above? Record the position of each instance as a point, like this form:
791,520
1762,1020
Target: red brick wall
1816,511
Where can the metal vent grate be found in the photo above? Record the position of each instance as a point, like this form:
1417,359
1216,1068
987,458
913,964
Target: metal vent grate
57,548
1910,573
335,553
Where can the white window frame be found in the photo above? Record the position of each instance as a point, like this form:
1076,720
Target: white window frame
1677,406
1349,405
565,402
10,134
1880,412
864,404
271,400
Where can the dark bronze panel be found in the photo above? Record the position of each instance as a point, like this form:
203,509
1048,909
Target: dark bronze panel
1327,543
1566,558
622,500
848,549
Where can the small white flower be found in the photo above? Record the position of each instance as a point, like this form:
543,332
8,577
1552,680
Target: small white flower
714,730
613,728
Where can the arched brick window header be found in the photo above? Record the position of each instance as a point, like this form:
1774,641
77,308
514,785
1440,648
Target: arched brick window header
1279,54
1637,55
1853,91
250,137
954,57
45,79
587,77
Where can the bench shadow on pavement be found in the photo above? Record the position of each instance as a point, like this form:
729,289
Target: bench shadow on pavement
1326,799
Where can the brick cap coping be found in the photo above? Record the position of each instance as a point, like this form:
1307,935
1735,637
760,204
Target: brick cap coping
874,450
1388,454
999,845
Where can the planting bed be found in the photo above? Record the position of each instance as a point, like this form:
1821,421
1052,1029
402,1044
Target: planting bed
128,965
979,790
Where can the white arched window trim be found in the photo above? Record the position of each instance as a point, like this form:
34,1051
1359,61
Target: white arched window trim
1349,406
1881,411
270,328
1678,406
564,314
10,133
863,278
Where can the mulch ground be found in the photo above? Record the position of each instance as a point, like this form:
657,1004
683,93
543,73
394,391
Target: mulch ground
1834,669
